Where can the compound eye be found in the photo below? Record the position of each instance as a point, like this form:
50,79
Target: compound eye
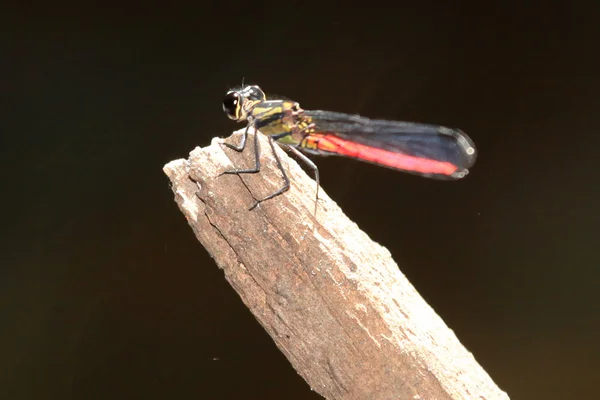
232,105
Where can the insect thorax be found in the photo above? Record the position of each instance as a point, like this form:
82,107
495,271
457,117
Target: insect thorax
281,118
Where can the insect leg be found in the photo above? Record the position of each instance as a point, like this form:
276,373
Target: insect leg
240,148
286,180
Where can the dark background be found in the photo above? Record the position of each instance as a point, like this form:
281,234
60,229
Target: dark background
104,291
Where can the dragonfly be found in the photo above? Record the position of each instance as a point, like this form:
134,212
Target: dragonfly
431,151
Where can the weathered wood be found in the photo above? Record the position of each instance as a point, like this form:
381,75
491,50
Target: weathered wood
334,301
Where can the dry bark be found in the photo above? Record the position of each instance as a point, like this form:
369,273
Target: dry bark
334,301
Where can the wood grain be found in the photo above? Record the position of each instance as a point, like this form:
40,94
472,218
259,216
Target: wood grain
334,301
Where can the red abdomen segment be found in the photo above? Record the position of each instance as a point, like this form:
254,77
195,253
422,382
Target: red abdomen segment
329,143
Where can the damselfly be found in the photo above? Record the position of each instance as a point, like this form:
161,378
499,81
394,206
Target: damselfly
428,150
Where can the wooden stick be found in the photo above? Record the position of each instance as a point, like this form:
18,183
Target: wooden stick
334,301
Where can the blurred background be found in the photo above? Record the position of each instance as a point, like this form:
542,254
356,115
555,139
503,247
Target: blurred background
104,291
